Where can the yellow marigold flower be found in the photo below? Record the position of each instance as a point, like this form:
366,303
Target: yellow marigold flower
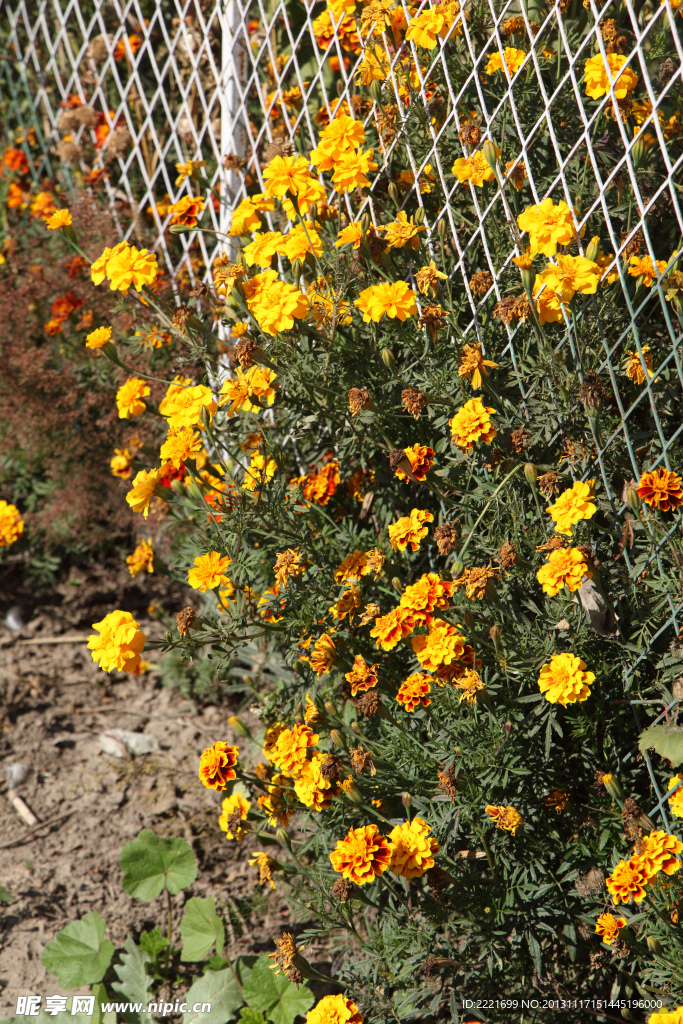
413,849
363,676
11,524
245,217
352,567
336,1009
262,249
661,489
410,530
670,1016
142,558
301,240
413,691
344,131
217,765
288,752
547,302
374,66
643,267
348,604
609,926
351,168
403,231
233,804
477,582
285,174
571,274
442,646
627,881
59,219
312,787
99,337
181,444
128,266
248,388
420,600
433,22
634,368
510,58
143,488
351,235
188,170
657,852
363,855
392,627
182,406
276,804
565,567
288,563
472,423
119,644
675,801
472,364
277,305
572,506
129,397
471,684
98,270
323,655
421,460
427,279
208,571
505,818
265,864
474,168
564,680
597,78
259,472
548,226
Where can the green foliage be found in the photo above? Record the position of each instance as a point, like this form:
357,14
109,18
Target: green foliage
273,995
151,864
667,741
200,928
5,895
221,990
134,982
79,954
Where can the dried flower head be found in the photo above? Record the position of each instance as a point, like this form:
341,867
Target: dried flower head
342,890
361,761
446,537
477,581
243,350
590,883
548,484
434,318
414,401
368,704
285,958
507,556
448,781
519,440
469,133
481,282
517,173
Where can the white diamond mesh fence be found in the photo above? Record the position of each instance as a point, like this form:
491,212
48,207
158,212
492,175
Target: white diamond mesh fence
122,92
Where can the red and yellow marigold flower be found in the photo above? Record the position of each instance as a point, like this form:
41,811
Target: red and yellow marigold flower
119,644
187,210
217,765
609,926
233,804
389,629
410,530
662,489
207,571
564,679
471,683
472,423
421,458
11,524
362,676
413,692
287,564
324,655
628,881
505,818
413,849
572,506
363,855
319,487
657,852
565,567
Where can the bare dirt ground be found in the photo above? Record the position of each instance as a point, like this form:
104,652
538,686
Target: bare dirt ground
54,704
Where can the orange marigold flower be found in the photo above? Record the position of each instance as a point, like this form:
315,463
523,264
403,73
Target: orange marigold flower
410,530
597,78
572,506
421,458
288,563
676,801
657,852
477,582
642,266
442,646
319,487
98,338
323,655
628,881
413,849
609,926
472,423
638,366
119,644
472,364
471,683
313,788
181,444
397,300
11,524
505,818
413,692
217,764
565,567
285,174
182,405
564,680
143,489
474,168
348,604
43,205
142,558
125,266
59,219
336,1009
233,804
363,855
420,600
186,210
288,752
661,489
129,397
392,627
352,568
208,571
510,58
362,676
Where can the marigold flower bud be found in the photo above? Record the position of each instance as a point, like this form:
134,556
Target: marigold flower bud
419,217
397,585
632,497
356,728
297,269
654,944
613,787
177,486
531,473
330,708
365,222
508,727
441,228
406,799
490,155
593,249
494,633
457,568
337,737
353,793
312,212
638,152
393,191
300,667
179,229
239,726
388,359
205,416
375,90
282,836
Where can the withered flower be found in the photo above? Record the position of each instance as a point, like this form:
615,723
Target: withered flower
414,401
507,556
184,620
481,282
446,536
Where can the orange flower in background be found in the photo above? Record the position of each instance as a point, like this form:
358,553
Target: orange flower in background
410,530
217,765
627,881
121,463
363,855
16,199
142,558
43,205
389,629
413,693
323,655
661,489
15,160
421,459
319,487
362,676
187,210
11,524
413,849
505,818
134,42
